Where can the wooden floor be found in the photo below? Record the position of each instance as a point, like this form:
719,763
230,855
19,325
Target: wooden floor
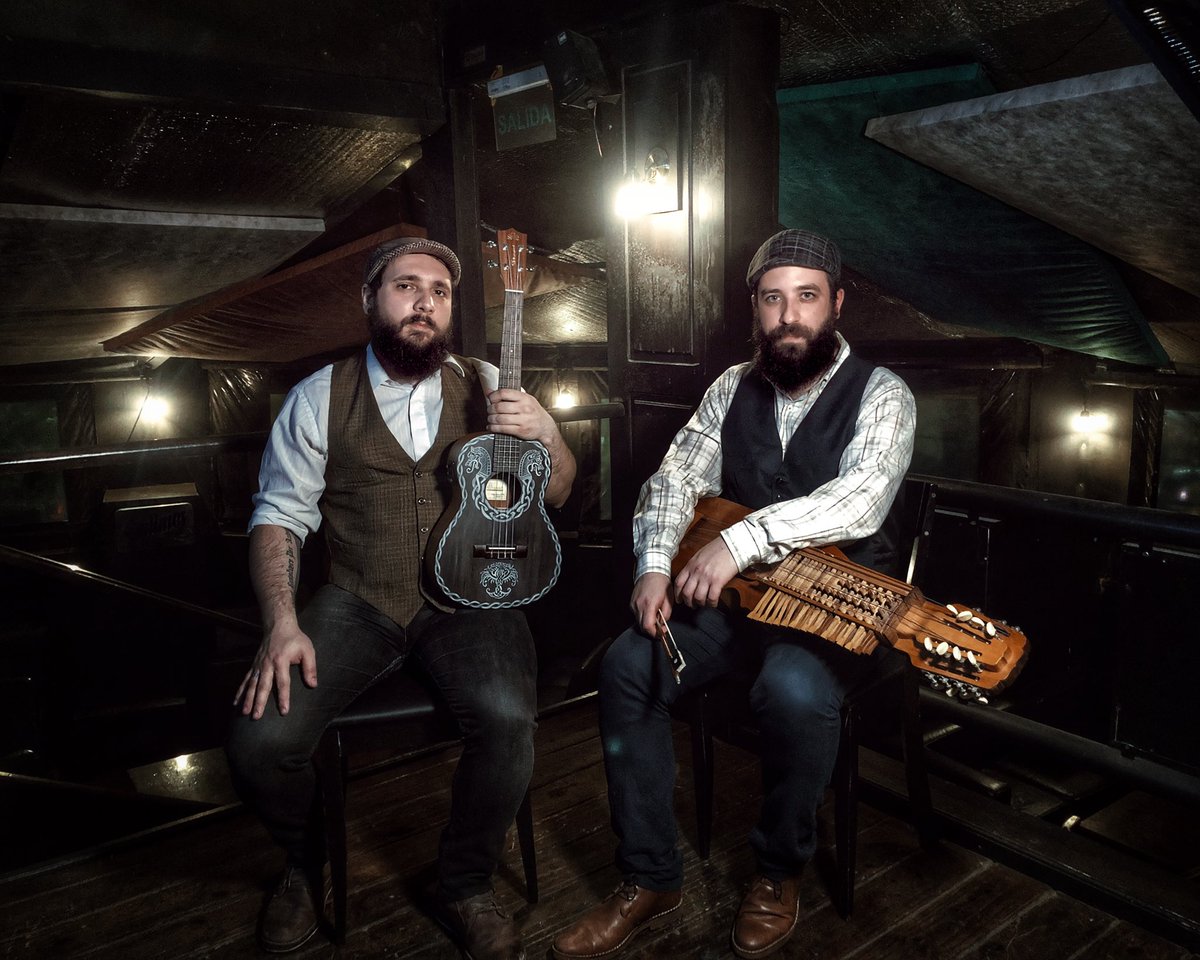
195,891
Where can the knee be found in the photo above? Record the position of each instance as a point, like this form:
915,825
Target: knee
257,748
791,700
502,715
627,665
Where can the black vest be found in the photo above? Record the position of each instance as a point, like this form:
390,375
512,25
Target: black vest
755,473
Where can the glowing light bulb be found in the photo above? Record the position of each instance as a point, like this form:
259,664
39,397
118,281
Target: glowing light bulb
155,409
1089,422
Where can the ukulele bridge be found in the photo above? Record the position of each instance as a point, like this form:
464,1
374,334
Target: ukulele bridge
484,551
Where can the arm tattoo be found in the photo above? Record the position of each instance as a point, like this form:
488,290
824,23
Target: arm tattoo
289,551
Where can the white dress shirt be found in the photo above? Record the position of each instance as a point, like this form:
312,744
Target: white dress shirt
291,478
850,506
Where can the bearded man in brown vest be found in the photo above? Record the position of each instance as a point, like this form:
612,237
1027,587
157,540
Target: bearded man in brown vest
361,446
815,441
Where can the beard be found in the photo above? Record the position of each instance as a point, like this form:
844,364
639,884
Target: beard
790,357
406,357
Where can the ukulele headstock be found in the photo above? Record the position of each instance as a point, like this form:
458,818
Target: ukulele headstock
512,244
962,651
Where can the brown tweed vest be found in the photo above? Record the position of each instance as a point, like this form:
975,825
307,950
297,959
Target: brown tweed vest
379,506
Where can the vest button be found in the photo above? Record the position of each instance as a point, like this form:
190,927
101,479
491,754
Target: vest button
416,473
424,529
421,500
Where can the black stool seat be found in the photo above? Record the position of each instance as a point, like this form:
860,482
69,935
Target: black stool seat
398,704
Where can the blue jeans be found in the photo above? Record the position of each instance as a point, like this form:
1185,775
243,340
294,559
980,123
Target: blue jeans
484,664
798,685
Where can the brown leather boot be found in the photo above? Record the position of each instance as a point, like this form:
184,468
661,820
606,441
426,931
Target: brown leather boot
766,918
480,928
290,915
609,925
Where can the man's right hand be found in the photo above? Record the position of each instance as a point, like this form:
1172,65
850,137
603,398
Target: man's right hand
271,670
651,594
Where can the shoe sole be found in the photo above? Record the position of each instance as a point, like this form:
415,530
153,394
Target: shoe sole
650,923
296,944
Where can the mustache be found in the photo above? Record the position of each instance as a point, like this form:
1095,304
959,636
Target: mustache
792,333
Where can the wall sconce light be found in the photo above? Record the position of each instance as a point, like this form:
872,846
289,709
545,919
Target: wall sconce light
1089,421
567,394
653,189
658,165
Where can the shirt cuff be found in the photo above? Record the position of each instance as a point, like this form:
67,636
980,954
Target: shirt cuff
743,545
653,561
277,520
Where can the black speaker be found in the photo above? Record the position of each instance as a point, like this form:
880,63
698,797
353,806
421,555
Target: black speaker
575,69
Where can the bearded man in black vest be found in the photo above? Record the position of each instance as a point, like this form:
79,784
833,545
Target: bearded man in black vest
361,447
816,442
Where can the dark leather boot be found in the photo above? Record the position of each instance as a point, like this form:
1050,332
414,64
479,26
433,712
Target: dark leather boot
766,918
609,925
480,928
290,916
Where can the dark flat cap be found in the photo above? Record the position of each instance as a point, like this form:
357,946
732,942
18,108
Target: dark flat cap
795,248
385,253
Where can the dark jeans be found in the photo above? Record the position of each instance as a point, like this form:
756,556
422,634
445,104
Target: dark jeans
484,664
798,685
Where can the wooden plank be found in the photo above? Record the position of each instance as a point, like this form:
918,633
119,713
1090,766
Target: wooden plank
197,893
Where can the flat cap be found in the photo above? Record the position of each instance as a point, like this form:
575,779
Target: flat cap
795,248
385,253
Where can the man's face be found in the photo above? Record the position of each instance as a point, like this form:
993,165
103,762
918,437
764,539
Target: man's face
797,301
795,317
409,315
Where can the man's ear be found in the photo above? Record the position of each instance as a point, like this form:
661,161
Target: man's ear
837,301
368,298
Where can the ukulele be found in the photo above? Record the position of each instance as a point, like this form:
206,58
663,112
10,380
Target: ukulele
494,546
821,591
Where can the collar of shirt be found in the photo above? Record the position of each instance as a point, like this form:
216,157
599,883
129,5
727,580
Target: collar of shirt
411,411
783,400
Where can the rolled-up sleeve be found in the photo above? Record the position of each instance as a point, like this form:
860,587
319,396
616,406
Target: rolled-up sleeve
291,477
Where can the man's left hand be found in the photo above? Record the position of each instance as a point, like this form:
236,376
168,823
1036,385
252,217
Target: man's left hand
703,577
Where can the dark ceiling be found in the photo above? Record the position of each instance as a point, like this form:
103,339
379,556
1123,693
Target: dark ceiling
155,154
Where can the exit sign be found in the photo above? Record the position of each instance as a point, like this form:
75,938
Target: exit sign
525,117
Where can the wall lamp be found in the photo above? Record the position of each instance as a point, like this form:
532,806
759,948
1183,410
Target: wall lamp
652,189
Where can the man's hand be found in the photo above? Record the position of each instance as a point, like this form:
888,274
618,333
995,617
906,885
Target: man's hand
650,595
280,649
703,577
518,414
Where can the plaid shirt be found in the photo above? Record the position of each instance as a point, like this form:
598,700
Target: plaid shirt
850,506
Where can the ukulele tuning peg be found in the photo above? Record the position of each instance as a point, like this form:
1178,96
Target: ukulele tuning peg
493,264
491,244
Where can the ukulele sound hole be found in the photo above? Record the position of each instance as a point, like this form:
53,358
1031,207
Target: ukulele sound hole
501,491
